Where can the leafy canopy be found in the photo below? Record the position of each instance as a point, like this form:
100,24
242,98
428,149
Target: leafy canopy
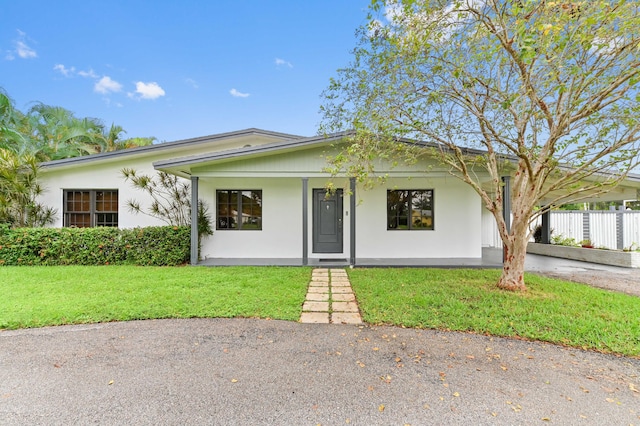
545,92
549,84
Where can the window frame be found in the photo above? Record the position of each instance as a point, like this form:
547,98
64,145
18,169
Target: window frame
240,224
93,211
428,221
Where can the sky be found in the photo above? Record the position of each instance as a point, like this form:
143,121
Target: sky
179,69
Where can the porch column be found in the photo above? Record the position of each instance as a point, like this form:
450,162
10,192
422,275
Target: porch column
305,221
506,207
546,227
195,255
352,221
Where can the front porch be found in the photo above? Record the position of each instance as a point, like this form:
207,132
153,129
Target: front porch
491,258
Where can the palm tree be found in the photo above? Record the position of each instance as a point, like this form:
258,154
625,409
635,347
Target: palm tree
44,133
111,140
56,133
10,120
19,189
136,142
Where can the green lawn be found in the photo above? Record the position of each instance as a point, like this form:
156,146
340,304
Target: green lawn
38,296
468,300
454,299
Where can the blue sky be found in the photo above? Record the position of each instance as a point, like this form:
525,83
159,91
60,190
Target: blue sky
179,69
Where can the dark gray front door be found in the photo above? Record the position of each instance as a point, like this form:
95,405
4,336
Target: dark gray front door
327,221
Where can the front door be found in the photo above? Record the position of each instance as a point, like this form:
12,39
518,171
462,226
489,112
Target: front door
327,221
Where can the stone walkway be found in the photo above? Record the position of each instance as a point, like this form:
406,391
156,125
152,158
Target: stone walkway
330,299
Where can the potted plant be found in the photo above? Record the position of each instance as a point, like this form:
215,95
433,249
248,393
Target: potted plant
586,243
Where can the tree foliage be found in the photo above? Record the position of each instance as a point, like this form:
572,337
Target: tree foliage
44,133
546,91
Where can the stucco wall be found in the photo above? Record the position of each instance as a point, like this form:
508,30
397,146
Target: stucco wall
457,223
457,233
281,234
457,216
100,176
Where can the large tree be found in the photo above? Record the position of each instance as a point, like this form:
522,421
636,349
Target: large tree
547,92
19,186
111,140
44,133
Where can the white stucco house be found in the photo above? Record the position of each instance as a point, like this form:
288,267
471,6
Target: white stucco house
266,195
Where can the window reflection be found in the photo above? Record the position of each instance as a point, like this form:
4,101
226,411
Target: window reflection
410,209
239,209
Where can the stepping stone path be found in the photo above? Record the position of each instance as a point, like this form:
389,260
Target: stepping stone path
330,299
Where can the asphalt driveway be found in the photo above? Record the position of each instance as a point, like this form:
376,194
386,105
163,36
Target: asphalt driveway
248,371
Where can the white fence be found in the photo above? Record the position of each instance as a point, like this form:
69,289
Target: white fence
610,229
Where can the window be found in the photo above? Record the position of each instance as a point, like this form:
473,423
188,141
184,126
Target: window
87,208
410,209
239,209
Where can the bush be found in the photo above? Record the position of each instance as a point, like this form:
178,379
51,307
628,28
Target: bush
157,246
561,240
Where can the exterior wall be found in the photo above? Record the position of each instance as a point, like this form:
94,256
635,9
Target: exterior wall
457,222
105,174
282,225
457,233
100,176
490,234
281,234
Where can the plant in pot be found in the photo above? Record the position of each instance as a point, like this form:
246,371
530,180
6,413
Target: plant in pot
586,243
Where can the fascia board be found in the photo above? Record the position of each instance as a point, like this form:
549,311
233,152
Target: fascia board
161,147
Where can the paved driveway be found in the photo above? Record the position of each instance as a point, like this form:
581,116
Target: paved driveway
254,372
625,280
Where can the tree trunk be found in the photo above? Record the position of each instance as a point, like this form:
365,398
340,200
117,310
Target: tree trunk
515,250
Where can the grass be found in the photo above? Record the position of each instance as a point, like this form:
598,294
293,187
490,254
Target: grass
56,295
468,300
455,299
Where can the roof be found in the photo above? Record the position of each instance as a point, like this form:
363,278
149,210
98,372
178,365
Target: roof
284,146
167,146
284,142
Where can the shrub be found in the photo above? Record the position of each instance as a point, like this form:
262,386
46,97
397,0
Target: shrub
537,234
158,246
561,240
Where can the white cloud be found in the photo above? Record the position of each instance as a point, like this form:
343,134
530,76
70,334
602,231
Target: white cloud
375,28
24,51
237,94
72,72
90,73
21,48
192,83
106,85
393,11
149,90
282,62
67,72
450,19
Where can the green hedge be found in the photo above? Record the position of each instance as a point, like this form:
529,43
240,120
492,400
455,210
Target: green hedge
158,246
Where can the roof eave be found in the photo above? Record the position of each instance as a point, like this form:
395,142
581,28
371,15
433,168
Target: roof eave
165,146
183,163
